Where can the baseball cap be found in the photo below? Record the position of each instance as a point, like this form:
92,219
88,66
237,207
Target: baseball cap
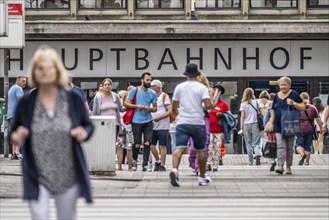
157,83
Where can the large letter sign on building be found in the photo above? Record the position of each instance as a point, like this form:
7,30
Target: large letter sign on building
266,58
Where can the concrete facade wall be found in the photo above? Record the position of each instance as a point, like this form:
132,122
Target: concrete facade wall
131,12
185,23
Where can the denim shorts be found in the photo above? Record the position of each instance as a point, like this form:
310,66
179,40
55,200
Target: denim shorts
304,140
196,132
161,136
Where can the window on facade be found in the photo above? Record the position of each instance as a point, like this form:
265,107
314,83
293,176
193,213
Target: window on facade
47,4
273,3
103,3
159,3
318,3
217,3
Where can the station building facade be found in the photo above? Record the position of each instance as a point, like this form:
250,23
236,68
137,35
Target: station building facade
241,43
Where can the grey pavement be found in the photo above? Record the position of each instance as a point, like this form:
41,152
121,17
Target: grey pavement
247,188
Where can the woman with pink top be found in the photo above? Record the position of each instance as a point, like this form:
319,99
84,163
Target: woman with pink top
108,103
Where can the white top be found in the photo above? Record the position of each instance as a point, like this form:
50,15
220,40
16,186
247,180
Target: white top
322,119
172,127
250,112
164,123
190,95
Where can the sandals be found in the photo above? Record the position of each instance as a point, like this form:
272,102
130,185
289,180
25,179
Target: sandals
279,170
288,171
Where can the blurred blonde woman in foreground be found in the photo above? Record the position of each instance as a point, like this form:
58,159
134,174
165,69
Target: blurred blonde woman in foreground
50,123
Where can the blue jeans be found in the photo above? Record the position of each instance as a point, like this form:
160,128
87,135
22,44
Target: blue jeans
252,140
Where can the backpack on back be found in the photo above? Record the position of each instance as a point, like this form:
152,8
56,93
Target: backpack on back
172,116
263,108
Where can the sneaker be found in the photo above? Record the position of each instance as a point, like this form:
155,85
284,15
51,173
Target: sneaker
204,181
134,165
257,160
220,162
149,167
13,157
174,178
301,161
209,167
162,168
145,168
273,166
19,156
157,166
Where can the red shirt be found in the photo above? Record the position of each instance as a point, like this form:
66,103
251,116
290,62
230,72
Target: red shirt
221,106
305,125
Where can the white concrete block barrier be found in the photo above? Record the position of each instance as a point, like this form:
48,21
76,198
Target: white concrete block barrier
100,149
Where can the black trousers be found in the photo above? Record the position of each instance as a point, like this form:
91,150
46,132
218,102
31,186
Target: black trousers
141,131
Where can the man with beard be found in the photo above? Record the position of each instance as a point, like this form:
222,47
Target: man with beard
142,123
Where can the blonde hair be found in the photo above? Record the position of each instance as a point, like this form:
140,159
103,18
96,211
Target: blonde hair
286,79
42,53
204,80
248,95
107,80
122,93
264,94
305,97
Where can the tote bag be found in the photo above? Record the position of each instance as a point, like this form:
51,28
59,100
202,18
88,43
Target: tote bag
128,117
270,148
290,119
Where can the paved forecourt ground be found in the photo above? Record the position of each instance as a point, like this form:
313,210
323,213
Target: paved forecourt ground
238,191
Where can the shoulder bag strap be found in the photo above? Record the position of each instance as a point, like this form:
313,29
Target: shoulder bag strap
254,107
135,96
164,98
308,117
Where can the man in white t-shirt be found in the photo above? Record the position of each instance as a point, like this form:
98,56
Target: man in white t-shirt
192,98
161,125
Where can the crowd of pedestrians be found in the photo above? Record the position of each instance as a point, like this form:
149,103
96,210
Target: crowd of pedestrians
197,119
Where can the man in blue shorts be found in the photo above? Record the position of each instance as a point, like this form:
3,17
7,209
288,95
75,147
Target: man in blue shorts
192,98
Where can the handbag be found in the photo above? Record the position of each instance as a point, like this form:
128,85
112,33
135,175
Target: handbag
270,148
315,134
290,122
128,117
260,119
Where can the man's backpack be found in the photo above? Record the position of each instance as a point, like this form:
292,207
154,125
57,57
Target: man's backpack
172,116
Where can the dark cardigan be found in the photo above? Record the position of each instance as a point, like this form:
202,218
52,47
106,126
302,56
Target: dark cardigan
79,117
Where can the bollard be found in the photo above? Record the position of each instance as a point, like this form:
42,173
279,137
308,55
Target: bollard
100,150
